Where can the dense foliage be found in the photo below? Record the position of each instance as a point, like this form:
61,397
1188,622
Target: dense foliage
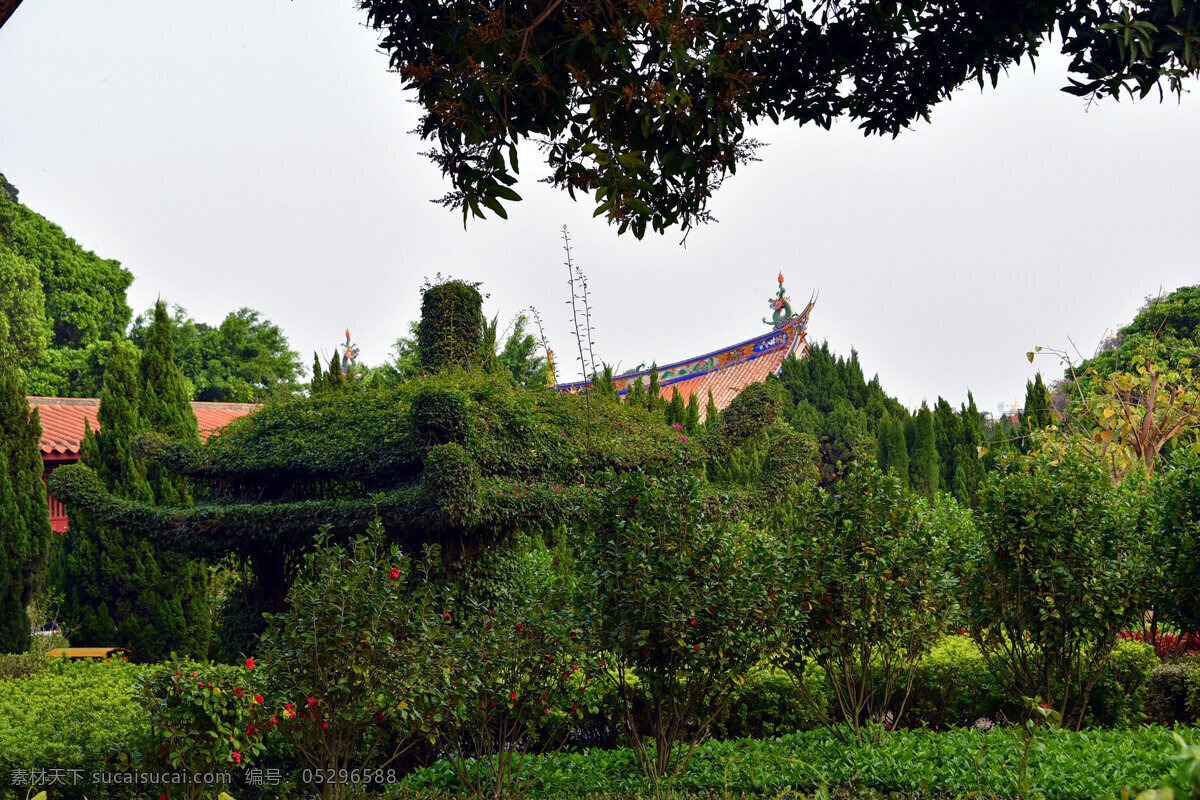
917,764
685,600
25,534
69,716
875,575
1058,576
645,105
245,359
120,588
352,654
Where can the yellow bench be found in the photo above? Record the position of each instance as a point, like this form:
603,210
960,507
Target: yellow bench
105,653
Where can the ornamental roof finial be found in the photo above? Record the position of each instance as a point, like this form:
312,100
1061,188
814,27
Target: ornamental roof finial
781,306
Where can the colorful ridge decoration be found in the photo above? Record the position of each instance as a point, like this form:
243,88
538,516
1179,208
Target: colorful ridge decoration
727,371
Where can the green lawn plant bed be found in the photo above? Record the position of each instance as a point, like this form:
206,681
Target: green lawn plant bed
918,764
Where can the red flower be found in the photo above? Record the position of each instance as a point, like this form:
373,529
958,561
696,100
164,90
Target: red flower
237,691
512,696
325,725
274,720
312,701
394,574
251,730
235,757
258,699
693,622
446,614
249,663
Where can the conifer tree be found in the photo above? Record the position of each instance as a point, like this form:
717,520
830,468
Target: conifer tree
653,400
923,469
25,533
947,434
165,408
1038,411
317,386
119,589
676,412
164,403
635,392
712,416
891,452
334,379
971,427
691,418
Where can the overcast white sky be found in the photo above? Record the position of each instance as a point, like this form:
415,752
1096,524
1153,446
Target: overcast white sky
257,153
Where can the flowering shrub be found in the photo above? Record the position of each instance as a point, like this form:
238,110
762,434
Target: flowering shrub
350,654
688,601
517,674
204,717
1059,575
875,564
1165,643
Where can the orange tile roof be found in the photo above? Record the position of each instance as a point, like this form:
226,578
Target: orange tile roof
724,372
63,420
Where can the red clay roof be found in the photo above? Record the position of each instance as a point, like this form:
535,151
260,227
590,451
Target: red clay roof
63,420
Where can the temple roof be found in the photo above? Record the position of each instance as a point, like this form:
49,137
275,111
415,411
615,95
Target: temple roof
63,420
724,372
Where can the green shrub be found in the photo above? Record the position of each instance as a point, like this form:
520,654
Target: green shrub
952,686
71,716
450,332
877,585
1058,576
685,599
351,655
1173,691
1119,699
769,704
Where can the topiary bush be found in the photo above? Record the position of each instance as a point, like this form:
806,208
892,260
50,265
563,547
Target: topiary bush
450,332
952,686
439,416
451,481
768,704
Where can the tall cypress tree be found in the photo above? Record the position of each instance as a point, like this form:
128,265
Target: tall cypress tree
923,469
691,417
971,426
653,400
891,451
165,408
712,416
676,410
25,533
635,393
119,589
947,434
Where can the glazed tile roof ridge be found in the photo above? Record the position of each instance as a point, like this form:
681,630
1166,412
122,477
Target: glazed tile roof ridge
725,371
64,418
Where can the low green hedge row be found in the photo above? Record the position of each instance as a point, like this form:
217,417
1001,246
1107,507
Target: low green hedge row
69,716
1064,766
952,687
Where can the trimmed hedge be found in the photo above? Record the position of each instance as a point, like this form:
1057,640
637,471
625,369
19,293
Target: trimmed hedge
1072,766
1173,691
70,715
